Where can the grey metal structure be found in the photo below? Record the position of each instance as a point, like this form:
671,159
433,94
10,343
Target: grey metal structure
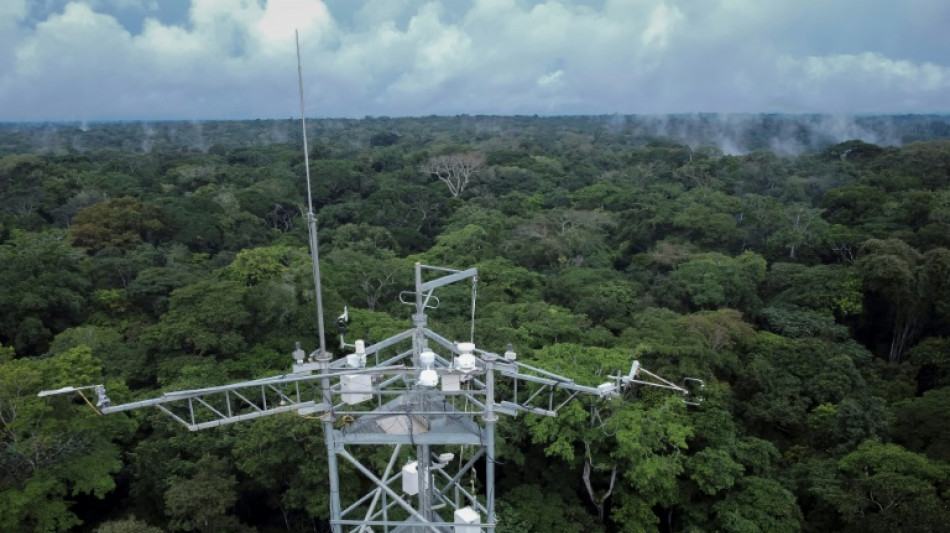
416,394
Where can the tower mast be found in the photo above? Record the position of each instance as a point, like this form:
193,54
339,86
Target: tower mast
311,218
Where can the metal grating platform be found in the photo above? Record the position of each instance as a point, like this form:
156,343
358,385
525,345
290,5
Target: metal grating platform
396,422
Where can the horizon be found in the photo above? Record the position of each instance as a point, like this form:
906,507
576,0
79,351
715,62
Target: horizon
731,134
936,114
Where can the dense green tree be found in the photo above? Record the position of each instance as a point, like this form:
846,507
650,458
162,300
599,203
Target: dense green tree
152,287
602,195
121,223
907,282
530,507
194,221
784,381
641,442
363,237
758,505
930,359
707,218
127,525
366,280
562,238
410,212
201,501
118,358
682,344
501,281
648,442
282,456
921,424
44,290
529,326
63,214
31,188
799,227
831,290
797,322
56,449
884,487
602,294
927,162
115,268
274,200
258,265
713,280
461,247
722,329
857,206
204,318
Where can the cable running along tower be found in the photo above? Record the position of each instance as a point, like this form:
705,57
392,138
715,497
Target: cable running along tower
431,402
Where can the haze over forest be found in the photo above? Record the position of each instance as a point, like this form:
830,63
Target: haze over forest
784,135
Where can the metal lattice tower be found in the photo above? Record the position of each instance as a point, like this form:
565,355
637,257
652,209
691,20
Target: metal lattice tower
430,402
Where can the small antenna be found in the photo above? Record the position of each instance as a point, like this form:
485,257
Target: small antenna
311,219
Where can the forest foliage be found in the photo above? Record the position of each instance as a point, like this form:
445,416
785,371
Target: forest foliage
811,293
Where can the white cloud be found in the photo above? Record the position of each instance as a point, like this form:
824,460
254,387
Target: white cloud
52,49
282,17
235,58
552,79
882,83
875,67
662,20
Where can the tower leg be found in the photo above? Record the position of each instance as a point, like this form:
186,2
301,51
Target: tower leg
490,474
425,486
490,419
334,477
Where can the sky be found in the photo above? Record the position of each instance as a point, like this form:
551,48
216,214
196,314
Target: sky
90,60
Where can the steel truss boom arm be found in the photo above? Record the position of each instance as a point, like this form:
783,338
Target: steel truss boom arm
209,407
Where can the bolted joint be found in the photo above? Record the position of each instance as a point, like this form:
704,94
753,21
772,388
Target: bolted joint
419,320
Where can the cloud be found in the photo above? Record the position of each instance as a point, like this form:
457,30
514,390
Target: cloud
662,20
552,79
869,77
12,13
236,59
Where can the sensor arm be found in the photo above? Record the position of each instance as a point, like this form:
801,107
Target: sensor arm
208,407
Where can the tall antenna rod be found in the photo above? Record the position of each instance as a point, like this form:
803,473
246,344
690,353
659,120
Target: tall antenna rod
311,219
